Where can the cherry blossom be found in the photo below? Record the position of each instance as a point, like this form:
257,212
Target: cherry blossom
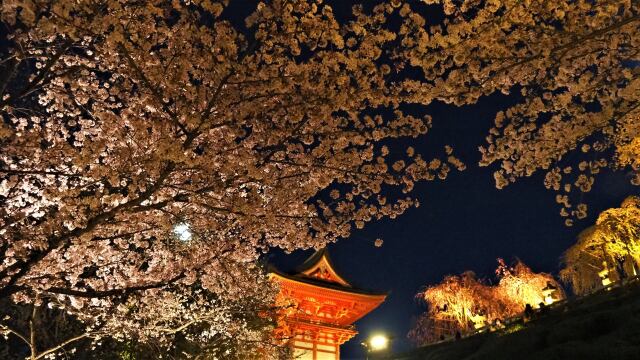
572,64
152,149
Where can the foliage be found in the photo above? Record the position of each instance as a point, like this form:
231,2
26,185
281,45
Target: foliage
52,326
462,303
599,327
572,64
611,245
173,322
522,286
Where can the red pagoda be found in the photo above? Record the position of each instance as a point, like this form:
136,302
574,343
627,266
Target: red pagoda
320,308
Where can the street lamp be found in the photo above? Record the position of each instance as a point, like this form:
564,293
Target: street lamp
376,344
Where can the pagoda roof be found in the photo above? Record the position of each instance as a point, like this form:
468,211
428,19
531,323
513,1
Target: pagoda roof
318,271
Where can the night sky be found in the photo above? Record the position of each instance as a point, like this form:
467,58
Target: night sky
463,223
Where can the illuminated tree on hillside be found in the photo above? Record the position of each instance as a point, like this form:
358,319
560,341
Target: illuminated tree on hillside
522,286
463,303
451,305
610,248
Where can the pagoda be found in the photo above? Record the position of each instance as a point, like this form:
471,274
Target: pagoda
319,308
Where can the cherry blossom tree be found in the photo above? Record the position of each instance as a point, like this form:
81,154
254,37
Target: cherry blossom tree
522,286
609,248
463,303
457,297
152,150
51,327
572,64
457,304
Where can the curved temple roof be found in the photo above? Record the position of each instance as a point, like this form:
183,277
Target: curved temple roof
318,270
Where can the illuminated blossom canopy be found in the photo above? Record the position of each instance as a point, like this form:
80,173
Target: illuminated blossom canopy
152,147
572,66
522,286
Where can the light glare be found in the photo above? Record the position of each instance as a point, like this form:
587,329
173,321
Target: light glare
378,342
182,231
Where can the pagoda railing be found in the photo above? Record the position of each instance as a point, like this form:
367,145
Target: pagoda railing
321,323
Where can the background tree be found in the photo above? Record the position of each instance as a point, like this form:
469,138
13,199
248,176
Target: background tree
457,304
612,245
572,64
34,331
449,306
522,286
463,303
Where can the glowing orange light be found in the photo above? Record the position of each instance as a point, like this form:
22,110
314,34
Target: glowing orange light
378,342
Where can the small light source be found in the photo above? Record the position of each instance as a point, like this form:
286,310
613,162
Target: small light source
549,293
378,342
604,275
182,231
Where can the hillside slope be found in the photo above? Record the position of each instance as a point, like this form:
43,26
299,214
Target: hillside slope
603,326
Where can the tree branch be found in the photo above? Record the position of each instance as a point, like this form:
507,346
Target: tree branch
62,345
113,292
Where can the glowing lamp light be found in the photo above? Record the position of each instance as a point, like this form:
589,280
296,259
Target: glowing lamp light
183,232
549,293
604,275
379,342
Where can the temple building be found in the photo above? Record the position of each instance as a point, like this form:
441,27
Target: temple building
319,308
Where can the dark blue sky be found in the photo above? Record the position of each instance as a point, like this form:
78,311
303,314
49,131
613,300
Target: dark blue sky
463,223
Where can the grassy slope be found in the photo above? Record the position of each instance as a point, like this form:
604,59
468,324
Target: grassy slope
602,326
